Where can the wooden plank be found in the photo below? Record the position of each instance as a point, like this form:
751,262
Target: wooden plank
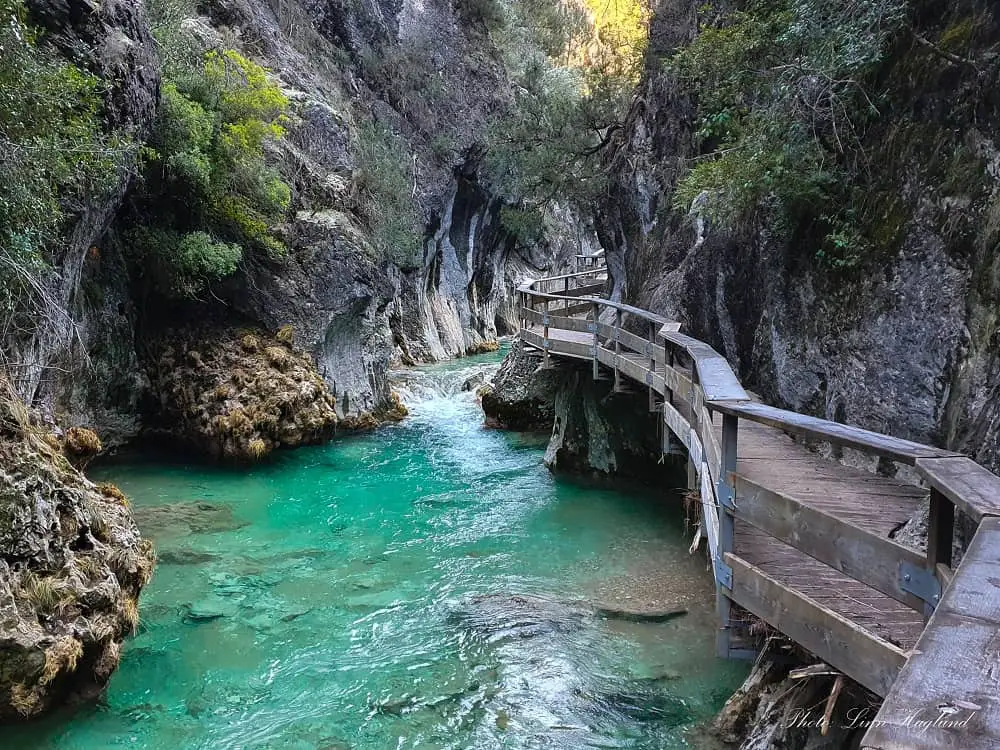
586,289
713,449
605,356
678,382
714,372
967,484
633,369
573,348
695,452
904,451
836,640
677,424
657,383
710,512
583,307
570,324
533,316
952,680
637,344
843,546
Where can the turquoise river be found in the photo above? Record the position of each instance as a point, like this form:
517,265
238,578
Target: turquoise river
426,585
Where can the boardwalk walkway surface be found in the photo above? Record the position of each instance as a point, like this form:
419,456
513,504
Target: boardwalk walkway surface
803,542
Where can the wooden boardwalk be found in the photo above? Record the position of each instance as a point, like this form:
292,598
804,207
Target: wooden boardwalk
800,541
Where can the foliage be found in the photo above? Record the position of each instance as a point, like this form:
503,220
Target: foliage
617,45
783,90
574,70
207,181
54,153
385,186
487,13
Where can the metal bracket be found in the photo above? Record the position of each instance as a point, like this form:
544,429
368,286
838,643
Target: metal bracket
593,352
591,327
920,582
723,573
725,494
546,344
649,378
545,319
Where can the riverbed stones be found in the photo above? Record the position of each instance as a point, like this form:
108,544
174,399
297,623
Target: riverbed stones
186,517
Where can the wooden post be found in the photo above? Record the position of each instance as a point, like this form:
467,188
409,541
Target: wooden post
597,341
940,531
545,333
692,470
724,491
618,347
652,365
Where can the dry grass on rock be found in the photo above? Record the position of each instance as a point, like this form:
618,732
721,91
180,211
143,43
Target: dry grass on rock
238,395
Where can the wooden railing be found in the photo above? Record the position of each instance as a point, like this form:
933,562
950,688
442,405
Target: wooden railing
691,383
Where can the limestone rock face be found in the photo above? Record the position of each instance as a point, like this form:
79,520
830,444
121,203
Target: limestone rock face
89,369
72,564
593,429
905,343
520,397
597,430
240,395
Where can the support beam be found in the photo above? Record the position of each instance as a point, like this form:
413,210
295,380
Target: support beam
724,491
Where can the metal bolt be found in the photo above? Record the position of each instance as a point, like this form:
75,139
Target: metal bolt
906,577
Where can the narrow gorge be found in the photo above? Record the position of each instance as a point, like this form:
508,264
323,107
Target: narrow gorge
259,268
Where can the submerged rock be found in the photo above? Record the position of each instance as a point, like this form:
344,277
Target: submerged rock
520,616
197,517
72,564
240,395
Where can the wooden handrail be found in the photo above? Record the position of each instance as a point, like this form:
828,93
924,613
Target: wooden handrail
904,451
526,288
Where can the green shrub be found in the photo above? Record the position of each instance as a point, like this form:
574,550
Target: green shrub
488,13
54,150
384,183
785,90
207,177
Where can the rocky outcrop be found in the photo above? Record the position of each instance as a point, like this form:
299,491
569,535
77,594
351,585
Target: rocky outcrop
72,565
597,430
83,323
593,429
521,396
238,395
902,341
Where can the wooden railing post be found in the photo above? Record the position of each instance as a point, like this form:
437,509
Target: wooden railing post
596,309
618,348
545,333
940,531
724,492
692,468
652,365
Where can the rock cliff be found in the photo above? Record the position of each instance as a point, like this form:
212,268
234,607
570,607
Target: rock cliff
897,337
379,92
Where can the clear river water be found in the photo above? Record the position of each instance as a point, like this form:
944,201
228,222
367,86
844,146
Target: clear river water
425,585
